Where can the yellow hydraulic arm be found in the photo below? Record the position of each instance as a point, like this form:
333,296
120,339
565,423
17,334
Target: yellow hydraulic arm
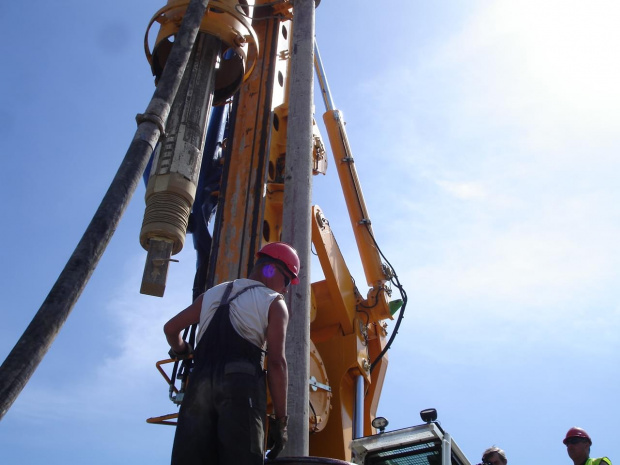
346,328
377,274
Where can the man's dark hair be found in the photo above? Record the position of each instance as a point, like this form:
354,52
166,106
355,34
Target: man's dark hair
487,453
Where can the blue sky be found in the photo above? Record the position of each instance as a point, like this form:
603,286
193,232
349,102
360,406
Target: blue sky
486,140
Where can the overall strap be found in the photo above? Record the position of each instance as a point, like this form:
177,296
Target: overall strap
243,290
224,300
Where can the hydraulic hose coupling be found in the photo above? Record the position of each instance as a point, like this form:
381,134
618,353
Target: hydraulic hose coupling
229,21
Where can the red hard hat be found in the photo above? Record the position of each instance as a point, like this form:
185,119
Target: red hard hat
286,254
576,432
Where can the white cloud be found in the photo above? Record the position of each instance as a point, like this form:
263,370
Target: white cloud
550,66
464,190
514,119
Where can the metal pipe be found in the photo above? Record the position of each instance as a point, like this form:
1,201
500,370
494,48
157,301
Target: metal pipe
446,449
358,420
320,73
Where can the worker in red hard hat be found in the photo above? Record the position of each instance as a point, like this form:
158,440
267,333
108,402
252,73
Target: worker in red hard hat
578,442
222,415
286,254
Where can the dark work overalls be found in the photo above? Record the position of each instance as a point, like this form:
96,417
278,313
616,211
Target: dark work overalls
221,420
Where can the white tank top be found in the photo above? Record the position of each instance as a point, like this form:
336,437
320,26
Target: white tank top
249,313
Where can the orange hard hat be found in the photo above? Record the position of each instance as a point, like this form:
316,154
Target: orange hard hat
576,432
286,254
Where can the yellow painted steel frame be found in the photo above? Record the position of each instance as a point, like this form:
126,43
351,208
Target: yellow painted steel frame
245,204
347,340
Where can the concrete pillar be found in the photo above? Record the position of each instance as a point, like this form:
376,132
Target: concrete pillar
296,221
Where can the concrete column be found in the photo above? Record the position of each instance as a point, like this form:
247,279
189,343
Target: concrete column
296,221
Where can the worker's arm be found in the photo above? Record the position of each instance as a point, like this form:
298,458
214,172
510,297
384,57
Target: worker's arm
277,371
188,317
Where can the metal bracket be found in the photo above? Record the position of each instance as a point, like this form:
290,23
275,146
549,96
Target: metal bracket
315,385
161,261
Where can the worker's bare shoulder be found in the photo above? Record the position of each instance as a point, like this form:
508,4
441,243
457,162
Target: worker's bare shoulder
278,309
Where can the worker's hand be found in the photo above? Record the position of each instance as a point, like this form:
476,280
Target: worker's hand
183,355
277,436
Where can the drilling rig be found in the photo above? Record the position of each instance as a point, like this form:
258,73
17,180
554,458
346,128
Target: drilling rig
234,169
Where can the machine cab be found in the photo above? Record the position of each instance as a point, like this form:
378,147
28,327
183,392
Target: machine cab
425,444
